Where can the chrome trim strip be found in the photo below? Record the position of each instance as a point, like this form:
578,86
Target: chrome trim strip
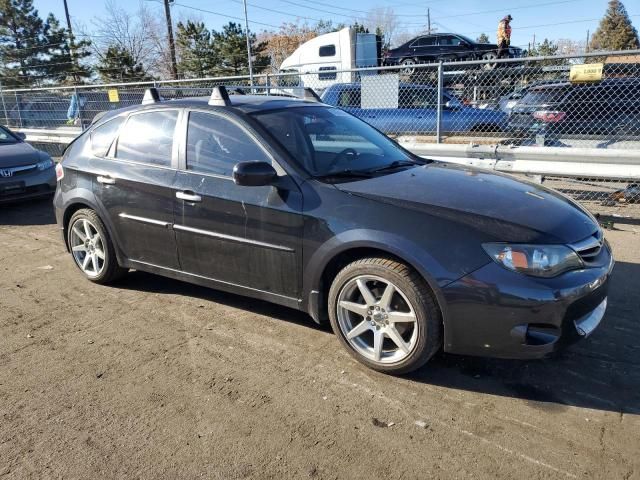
21,168
214,280
587,324
144,220
232,238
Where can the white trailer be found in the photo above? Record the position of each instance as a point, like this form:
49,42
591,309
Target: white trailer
318,62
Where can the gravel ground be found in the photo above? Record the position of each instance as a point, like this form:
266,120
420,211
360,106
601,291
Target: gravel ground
153,378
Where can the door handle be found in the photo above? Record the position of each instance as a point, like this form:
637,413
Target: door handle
188,196
105,180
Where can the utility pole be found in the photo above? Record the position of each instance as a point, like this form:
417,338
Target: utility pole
72,46
428,21
172,46
586,47
246,28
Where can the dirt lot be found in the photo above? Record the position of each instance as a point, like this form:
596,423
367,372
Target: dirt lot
153,378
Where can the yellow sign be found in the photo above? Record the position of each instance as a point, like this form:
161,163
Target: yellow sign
591,72
113,95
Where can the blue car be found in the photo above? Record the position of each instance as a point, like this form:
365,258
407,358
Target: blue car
416,112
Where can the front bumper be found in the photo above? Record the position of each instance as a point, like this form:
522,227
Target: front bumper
498,313
27,186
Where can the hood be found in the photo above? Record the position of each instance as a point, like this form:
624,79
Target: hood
18,154
499,206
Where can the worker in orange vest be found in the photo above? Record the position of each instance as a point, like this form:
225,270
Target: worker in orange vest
504,35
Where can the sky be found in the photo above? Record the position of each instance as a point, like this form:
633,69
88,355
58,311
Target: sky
553,19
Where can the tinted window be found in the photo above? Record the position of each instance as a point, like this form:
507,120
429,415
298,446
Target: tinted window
330,75
349,98
542,96
418,98
424,42
215,144
102,136
450,41
148,138
327,51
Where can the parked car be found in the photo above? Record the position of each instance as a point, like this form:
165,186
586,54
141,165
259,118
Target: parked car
446,47
305,205
24,171
609,108
416,112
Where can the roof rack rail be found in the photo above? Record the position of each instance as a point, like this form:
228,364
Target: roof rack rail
238,91
151,95
310,95
219,97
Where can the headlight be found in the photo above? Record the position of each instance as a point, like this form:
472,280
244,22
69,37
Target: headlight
535,260
44,164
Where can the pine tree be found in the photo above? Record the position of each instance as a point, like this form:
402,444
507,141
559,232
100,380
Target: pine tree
615,31
118,65
483,38
198,56
22,43
64,55
231,45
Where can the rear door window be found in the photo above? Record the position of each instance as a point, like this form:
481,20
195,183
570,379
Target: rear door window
424,42
215,144
102,137
148,138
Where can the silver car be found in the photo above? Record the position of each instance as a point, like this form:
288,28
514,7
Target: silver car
25,172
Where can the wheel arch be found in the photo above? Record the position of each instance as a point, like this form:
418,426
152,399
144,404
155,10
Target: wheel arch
336,258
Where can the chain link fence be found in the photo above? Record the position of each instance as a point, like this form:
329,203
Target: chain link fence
527,102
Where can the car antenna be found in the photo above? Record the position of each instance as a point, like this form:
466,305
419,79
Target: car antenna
151,95
219,97
310,95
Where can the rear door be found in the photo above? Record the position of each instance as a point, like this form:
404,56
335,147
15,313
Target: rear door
244,236
135,182
424,48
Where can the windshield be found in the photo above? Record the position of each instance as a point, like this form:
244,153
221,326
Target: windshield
327,141
6,136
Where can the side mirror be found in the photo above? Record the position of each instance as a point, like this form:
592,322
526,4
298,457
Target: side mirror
21,135
254,174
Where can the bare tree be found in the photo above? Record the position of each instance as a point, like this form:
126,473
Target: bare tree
140,34
281,44
382,20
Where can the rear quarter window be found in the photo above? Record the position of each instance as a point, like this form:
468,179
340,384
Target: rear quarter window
102,137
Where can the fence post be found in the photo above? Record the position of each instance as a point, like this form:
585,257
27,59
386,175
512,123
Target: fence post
4,106
439,106
18,109
268,84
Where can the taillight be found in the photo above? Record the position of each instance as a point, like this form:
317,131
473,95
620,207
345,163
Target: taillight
59,172
549,116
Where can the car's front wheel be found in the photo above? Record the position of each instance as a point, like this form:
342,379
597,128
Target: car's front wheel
385,315
91,247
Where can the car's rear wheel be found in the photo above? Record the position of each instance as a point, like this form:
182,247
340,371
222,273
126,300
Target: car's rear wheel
385,315
91,247
408,66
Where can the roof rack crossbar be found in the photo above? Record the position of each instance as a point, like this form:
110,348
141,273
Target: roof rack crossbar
151,95
219,97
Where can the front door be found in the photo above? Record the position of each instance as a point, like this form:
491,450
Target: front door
135,183
243,236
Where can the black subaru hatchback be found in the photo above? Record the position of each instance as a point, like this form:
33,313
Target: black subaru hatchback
301,204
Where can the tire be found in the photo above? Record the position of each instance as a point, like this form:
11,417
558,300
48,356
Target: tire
361,325
101,266
488,57
408,66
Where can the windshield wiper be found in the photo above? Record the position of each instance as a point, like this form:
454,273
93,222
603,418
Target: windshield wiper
394,165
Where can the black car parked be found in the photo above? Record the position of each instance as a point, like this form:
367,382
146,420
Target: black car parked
446,47
304,205
609,108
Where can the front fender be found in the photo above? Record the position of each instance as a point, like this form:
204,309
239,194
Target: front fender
433,272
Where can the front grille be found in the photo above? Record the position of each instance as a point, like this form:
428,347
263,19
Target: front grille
590,247
11,172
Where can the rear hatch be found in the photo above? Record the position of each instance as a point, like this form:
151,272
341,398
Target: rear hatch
547,98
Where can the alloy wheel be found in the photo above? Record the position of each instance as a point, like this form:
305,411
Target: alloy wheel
87,247
377,319
408,66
